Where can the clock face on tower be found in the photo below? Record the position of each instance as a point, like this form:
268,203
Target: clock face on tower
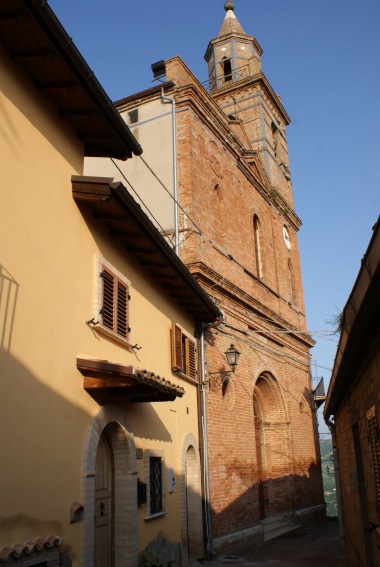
285,234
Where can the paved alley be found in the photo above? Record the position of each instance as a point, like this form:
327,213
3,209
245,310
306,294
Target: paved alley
313,546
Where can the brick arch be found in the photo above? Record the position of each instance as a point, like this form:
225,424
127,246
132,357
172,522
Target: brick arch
190,500
269,399
273,445
114,420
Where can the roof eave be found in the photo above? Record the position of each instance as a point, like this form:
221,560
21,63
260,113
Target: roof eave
54,33
356,317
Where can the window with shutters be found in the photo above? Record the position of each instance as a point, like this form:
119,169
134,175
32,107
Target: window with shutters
111,301
184,360
374,440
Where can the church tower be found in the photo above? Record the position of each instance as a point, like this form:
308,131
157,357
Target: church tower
224,153
240,88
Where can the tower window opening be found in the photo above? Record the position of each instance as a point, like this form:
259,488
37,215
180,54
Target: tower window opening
256,233
292,289
227,69
275,137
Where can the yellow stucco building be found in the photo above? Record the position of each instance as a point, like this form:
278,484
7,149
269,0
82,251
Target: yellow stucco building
99,398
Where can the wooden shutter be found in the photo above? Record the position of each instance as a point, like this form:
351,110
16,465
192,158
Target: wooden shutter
191,363
108,309
177,348
115,310
373,438
122,309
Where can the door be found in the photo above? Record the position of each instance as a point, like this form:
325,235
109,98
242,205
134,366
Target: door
362,495
104,507
261,478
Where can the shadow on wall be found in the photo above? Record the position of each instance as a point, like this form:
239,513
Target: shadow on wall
8,300
43,437
292,497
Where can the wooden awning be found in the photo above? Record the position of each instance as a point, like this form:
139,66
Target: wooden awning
105,380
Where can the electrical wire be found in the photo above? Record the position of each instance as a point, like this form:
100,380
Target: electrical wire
145,205
319,333
169,193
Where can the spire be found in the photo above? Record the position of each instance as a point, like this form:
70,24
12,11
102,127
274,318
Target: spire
233,55
231,25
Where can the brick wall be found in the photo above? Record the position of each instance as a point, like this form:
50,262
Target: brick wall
263,450
360,400
259,465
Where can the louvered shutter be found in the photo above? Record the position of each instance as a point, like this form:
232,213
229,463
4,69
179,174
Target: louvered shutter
191,363
108,309
373,438
177,348
122,298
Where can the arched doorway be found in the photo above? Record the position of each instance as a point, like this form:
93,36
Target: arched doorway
191,502
104,516
272,446
109,535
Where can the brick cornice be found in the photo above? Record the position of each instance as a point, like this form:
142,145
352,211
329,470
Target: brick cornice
209,278
256,80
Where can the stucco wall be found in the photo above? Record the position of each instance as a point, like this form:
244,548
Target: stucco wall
153,191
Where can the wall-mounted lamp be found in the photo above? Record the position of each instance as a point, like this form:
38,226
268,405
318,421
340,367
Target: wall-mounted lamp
232,356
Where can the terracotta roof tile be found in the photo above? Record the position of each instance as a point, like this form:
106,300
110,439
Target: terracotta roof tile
18,550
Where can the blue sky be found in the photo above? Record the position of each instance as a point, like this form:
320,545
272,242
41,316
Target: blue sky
323,58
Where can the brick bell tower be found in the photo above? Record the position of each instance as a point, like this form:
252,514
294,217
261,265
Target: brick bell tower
263,445
242,91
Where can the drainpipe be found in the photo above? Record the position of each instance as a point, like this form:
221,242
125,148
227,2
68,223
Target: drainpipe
175,175
206,477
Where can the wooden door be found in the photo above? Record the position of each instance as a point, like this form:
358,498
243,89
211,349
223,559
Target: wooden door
103,520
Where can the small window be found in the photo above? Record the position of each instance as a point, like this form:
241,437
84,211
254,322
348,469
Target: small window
227,69
111,300
292,288
155,485
275,138
133,116
256,233
183,353
154,464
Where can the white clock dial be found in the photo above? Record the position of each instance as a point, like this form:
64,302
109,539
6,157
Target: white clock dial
286,237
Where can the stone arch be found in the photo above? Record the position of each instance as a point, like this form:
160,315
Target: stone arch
190,500
272,445
113,419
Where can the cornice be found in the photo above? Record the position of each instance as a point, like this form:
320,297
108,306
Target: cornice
228,37
224,287
260,79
